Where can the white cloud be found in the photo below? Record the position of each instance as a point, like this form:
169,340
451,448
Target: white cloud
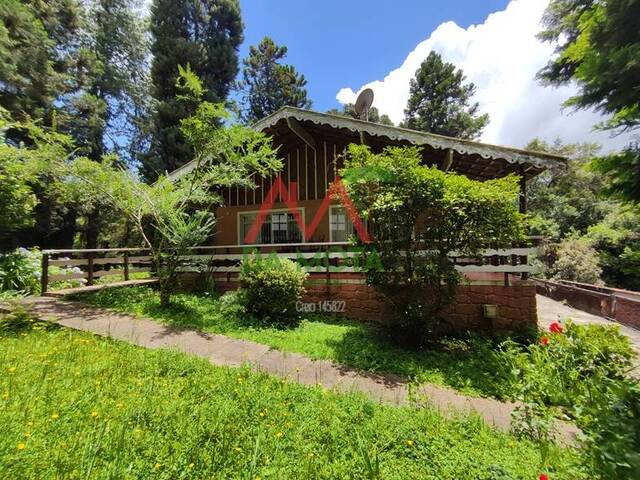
501,56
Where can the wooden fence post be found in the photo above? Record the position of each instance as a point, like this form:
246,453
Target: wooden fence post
126,265
90,269
44,279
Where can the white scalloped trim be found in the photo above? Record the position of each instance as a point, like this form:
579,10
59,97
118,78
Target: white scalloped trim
464,147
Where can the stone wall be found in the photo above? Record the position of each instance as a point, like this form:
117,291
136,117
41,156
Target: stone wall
516,302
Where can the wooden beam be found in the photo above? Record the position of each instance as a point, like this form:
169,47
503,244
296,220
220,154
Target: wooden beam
448,161
299,130
523,191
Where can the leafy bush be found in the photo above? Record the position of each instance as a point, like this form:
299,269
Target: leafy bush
419,215
20,271
583,372
573,259
612,436
271,286
568,365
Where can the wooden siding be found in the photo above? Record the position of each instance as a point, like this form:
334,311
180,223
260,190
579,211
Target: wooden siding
311,170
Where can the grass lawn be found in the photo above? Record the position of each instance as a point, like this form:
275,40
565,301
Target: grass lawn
473,366
79,406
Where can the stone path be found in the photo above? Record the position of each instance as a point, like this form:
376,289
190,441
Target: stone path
551,311
225,351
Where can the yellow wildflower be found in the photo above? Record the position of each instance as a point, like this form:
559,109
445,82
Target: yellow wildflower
12,369
238,449
27,434
157,467
410,443
94,414
191,465
5,396
120,404
21,446
279,434
55,416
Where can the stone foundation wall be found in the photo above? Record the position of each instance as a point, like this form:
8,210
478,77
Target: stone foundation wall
516,303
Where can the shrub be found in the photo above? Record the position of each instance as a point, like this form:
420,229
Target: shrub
577,261
419,215
20,271
271,286
568,365
612,438
584,371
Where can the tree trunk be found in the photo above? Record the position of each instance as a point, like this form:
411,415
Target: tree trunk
165,294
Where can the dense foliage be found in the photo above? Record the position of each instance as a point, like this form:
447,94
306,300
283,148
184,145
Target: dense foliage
271,286
29,175
440,101
20,271
589,236
419,216
204,35
269,85
584,372
37,55
597,46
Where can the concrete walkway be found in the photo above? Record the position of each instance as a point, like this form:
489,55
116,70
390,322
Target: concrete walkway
552,311
225,351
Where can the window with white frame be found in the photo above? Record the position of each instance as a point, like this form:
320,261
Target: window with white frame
278,227
340,226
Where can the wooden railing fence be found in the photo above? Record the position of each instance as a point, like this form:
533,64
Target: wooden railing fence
92,264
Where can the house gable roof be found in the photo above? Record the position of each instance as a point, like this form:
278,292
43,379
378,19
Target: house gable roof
494,159
464,147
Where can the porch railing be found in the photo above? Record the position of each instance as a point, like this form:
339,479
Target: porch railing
92,265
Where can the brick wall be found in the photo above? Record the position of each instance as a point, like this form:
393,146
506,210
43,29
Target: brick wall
516,305
516,302
620,305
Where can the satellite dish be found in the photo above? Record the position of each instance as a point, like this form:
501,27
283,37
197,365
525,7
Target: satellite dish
363,103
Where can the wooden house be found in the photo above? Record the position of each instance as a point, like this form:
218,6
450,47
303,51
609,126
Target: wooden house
311,147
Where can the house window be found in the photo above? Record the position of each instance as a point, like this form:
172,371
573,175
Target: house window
340,226
278,227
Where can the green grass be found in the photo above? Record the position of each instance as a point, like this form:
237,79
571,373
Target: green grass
78,406
473,366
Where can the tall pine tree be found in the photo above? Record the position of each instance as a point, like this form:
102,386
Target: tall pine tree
269,85
103,114
440,101
204,34
36,55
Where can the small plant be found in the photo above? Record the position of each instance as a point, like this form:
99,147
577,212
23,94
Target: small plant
568,365
271,286
20,271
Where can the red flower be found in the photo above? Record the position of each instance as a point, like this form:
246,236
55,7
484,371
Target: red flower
544,341
555,327
543,477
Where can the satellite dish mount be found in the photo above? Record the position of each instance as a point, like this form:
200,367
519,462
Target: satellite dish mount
363,103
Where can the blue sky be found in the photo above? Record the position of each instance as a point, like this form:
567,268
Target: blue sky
344,46
349,42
